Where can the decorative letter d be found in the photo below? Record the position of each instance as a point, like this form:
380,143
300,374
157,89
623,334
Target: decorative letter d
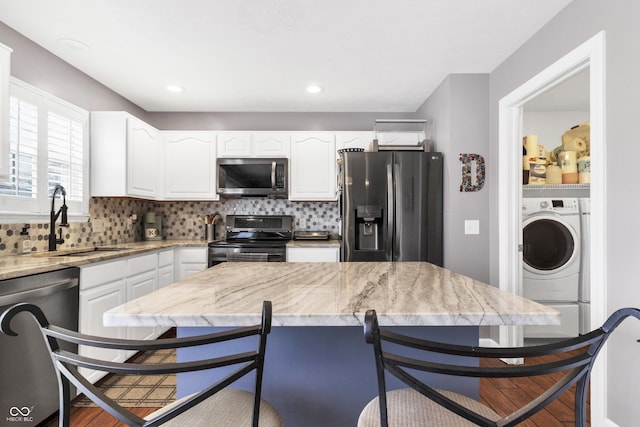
467,163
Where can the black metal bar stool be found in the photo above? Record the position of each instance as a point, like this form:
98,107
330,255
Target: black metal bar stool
217,405
422,405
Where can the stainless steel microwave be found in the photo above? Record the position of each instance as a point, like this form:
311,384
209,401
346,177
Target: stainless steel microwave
253,177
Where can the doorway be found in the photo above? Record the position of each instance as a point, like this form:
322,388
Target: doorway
589,56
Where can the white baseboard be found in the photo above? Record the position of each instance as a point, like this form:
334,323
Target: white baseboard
488,342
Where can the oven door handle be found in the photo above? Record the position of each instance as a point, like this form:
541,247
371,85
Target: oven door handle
248,257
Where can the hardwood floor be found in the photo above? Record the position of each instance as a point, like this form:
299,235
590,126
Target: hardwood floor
96,417
506,395
503,395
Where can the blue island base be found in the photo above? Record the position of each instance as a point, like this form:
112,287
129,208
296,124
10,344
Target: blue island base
321,376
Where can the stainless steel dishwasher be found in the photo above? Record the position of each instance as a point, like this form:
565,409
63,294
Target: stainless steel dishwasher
28,385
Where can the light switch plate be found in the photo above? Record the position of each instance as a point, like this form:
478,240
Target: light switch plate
471,226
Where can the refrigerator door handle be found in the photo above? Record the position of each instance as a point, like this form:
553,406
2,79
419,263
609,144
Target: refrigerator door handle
397,205
390,212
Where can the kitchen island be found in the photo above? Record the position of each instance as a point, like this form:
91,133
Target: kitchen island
318,369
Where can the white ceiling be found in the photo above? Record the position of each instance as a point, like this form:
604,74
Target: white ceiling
259,55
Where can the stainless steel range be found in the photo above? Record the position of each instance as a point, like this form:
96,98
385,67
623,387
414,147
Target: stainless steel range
260,238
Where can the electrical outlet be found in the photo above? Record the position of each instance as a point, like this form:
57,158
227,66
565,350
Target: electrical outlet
98,225
302,223
26,245
471,226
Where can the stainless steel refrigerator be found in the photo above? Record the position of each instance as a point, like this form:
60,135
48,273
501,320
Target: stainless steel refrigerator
391,206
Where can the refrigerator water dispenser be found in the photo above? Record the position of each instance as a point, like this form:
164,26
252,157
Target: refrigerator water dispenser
369,227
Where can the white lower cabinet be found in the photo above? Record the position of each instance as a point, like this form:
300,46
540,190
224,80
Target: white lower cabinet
102,287
165,268
106,285
327,254
141,279
190,261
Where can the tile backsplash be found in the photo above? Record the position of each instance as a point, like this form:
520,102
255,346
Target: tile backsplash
110,224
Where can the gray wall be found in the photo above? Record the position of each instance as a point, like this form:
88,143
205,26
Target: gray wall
459,109
270,121
573,26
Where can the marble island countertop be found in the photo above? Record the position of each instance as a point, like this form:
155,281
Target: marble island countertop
330,294
42,262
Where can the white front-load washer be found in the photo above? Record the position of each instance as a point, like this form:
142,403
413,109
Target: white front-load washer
551,268
551,244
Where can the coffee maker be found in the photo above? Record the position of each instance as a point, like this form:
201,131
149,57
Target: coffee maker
152,226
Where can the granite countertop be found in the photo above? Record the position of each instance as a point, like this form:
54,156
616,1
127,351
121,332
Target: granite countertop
330,294
42,262
327,243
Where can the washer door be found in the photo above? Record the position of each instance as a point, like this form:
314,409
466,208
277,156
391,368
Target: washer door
549,244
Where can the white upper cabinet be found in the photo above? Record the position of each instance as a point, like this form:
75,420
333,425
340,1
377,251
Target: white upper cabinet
400,138
125,154
190,165
271,144
143,150
253,144
313,166
234,144
353,140
5,65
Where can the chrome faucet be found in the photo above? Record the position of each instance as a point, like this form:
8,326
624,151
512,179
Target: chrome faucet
53,239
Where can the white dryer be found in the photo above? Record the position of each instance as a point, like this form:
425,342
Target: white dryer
551,240
551,261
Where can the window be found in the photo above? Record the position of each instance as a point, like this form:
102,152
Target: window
48,145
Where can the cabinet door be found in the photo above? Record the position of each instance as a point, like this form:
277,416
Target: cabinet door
313,167
234,144
93,303
400,138
190,261
271,144
353,140
190,166
108,154
138,286
5,65
165,268
142,159
330,254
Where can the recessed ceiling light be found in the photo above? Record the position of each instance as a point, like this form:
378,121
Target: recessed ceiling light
314,88
175,88
73,44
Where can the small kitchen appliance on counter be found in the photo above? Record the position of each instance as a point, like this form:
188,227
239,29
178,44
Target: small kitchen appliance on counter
152,226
